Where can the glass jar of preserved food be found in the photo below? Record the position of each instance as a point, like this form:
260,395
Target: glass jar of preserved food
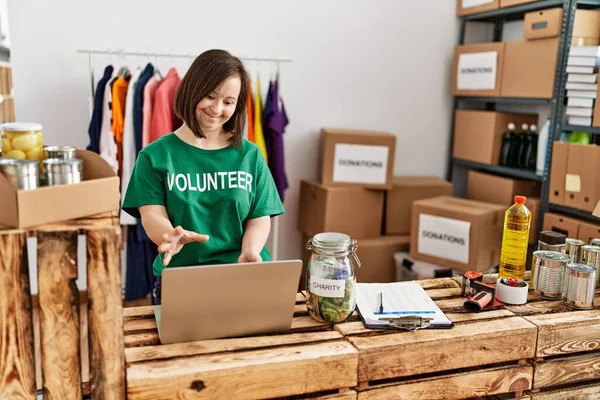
22,141
330,277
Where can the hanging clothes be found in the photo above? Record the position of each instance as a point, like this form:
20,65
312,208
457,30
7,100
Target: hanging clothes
164,119
138,104
118,106
275,122
108,147
149,92
141,252
250,112
95,127
259,138
128,145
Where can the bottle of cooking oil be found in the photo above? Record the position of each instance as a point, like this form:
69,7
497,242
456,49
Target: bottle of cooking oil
513,256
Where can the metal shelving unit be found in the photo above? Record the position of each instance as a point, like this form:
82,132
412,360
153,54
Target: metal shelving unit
573,212
500,170
557,104
588,129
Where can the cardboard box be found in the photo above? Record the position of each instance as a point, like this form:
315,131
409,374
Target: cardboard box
533,204
357,157
590,178
478,134
477,69
468,7
406,190
586,24
499,190
97,193
581,41
529,68
588,231
354,211
558,171
376,256
582,181
511,3
458,233
560,223
543,24
596,212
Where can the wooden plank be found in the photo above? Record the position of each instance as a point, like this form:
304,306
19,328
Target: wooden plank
141,339
466,345
436,294
538,307
107,363
346,395
59,314
138,312
586,392
162,352
17,366
454,304
255,374
566,370
565,333
456,386
438,283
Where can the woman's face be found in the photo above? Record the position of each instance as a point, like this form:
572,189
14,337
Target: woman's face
219,105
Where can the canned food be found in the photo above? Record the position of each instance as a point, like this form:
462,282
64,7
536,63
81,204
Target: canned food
22,174
62,172
59,152
595,242
573,249
590,255
580,282
547,273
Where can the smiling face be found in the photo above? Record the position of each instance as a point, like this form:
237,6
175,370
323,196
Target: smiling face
218,106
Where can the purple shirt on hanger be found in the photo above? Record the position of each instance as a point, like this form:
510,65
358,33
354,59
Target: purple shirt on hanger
275,122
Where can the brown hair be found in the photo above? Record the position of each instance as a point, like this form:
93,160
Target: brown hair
206,73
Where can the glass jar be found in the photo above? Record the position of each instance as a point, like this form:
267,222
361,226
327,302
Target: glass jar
330,277
22,141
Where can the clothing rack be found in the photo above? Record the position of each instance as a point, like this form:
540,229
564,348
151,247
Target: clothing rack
120,52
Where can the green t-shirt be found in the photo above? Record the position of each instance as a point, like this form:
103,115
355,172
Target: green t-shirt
213,192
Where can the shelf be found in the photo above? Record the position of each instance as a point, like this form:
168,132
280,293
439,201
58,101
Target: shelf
505,100
518,12
588,129
588,3
572,212
500,170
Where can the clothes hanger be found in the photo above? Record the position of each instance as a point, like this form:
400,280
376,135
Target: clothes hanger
156,70
124,71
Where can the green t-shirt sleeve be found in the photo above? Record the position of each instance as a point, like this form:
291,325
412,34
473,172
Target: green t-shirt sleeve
266,201
145,187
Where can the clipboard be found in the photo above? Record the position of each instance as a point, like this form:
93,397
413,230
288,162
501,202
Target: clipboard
398,305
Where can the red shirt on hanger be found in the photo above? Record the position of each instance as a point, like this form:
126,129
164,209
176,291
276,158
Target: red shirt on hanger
164,119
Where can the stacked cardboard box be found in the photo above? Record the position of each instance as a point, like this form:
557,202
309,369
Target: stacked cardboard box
571,227
357,192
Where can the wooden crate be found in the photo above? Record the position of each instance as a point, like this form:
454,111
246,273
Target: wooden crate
59,313
311,358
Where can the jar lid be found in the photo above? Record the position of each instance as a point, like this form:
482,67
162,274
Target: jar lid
552,238
21,127
333,241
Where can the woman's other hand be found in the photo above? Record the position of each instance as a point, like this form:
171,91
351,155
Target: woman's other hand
249,256
173,242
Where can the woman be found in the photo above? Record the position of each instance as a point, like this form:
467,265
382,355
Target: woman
205,195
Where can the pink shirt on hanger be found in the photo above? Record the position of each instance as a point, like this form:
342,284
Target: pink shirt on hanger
149,92
164,120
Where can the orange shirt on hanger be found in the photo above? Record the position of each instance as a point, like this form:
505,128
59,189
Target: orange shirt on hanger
119,93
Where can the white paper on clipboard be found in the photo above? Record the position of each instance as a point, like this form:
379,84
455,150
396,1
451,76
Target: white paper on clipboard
399,299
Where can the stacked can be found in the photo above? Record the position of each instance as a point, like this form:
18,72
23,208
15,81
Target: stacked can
590,255
548,270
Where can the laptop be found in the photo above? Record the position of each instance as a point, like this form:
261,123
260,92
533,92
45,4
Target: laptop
230,300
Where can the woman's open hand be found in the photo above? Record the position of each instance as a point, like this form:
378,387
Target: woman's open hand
173,242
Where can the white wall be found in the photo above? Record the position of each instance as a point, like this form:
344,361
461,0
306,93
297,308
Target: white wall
379,64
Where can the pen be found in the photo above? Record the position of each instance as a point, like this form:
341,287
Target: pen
404,312
380,302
